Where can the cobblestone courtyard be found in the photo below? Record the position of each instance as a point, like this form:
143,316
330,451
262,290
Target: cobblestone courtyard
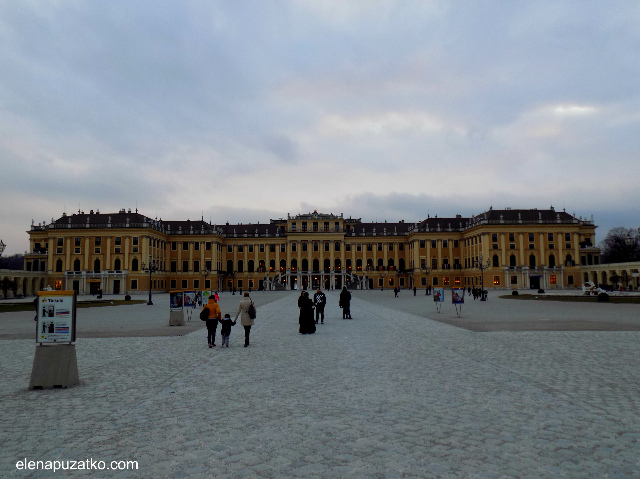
391,393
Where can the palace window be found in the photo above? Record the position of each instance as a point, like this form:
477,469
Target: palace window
134,284
496,280
552,279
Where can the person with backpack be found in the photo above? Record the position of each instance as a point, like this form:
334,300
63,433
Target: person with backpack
211,314
319,301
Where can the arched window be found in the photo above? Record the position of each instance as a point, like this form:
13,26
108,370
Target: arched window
134,264
391,264
380,264
316,265
76,265
305,265
348,264
230,266
272,265
59,266
569,260
552,261
496,261
338,264
369,264
294,265
512,261
96,266
532,261
261,266
250,266
240,266
402,265
327,265
116,264
359,264
283,265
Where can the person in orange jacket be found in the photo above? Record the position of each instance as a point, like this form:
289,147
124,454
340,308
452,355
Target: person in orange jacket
212,321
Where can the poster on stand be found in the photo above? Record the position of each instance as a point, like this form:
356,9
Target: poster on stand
190,300
56,321
205,296
457,295
438,295
175,300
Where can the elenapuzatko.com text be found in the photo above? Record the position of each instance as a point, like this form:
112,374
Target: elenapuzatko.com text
69,465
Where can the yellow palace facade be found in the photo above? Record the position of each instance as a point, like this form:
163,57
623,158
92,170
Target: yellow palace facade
518,249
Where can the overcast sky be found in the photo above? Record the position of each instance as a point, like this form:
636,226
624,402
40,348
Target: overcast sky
243,111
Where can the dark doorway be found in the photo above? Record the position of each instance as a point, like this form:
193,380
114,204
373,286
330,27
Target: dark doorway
116,286
535,282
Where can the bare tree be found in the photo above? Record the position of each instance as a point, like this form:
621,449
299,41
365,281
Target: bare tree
620,245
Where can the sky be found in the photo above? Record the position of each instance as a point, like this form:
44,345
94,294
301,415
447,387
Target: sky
244,111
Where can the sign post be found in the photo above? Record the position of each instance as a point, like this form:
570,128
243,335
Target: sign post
55,364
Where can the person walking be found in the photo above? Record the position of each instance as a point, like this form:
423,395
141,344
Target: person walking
225,329
305,320
246,320
345,303
319,301
212,320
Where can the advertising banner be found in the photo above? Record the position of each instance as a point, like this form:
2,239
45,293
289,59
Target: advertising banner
438,295
175,300
56,317
190,300
457,295
205,296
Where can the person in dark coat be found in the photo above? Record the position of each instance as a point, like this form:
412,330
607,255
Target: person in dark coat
345,303
319,300
306,321
225,330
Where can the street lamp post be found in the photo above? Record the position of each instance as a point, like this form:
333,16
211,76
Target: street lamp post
152,267
426,270
206,272
479,264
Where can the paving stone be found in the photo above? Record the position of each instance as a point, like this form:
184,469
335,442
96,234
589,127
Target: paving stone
389,394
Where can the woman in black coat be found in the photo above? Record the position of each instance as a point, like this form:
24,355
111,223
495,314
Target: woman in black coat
306,321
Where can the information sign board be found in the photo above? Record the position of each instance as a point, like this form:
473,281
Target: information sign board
175,300
56,317
438,295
